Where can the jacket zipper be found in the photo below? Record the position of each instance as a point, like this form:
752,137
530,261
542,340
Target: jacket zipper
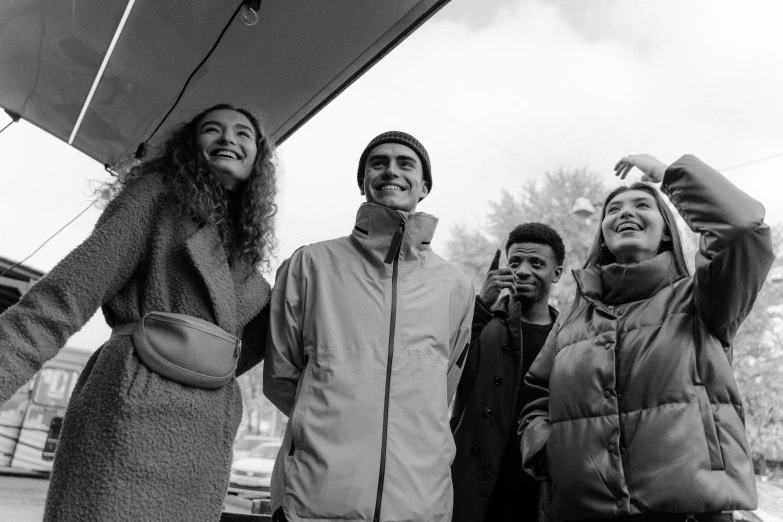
395,251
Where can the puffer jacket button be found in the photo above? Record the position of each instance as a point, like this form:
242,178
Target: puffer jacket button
487,412
474,450
505,348
497,380
622,450
620,313
620,503
607,394
608,345
610,448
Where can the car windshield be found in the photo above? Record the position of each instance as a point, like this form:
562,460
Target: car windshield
266,451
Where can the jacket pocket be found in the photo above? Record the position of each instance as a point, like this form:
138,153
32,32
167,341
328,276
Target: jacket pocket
710,429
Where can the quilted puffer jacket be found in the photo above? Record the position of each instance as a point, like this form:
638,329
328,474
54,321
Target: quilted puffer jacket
635,407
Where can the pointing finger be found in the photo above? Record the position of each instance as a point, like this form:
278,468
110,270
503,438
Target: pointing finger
495,261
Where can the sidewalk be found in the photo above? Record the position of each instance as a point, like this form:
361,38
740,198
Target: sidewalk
770,500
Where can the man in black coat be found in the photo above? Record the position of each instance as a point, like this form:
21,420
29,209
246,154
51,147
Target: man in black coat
508,333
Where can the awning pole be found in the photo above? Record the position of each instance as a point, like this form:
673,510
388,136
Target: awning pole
98,77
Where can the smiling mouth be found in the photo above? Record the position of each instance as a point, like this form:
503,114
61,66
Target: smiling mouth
390,188
225,154
623,227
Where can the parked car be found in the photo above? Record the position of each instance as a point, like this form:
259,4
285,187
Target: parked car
244,444
254,472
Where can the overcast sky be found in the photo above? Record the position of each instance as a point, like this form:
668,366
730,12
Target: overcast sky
498,92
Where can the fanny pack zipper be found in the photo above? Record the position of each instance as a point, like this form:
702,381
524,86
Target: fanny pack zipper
192,324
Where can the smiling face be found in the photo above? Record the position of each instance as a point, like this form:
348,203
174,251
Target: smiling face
535,268
394,177
633,226
228,141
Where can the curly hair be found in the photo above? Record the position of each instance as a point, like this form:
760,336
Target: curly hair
538,233
200,195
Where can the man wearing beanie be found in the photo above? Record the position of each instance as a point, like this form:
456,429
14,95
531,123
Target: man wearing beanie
367,337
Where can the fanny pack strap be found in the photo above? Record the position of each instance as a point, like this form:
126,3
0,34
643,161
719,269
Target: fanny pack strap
122,329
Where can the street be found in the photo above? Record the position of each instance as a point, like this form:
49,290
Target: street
22,499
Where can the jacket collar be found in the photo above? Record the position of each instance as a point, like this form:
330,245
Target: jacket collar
626,283
379,230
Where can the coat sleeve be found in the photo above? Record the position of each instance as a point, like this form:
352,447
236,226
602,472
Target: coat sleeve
57,306
481,317
735,248
285,350
460,337
533,430
254,341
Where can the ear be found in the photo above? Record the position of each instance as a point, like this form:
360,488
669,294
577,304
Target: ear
557,273
424,191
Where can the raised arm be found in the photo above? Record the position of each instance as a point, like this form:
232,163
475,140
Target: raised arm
735,248
57,306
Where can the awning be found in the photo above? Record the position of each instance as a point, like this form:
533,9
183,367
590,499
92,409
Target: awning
102,74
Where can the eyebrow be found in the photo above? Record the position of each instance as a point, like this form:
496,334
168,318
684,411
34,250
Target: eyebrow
240,125
634,200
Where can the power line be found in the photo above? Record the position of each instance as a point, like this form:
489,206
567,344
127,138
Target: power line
751,162
51,237
455,122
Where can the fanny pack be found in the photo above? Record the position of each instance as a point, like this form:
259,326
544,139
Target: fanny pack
184,349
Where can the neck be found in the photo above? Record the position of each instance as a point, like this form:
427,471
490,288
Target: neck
533,312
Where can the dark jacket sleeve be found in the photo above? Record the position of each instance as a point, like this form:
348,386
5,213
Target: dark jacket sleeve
254,339
482,315
57,306
735,249
533,430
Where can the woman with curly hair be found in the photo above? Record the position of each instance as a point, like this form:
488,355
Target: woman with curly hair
185,232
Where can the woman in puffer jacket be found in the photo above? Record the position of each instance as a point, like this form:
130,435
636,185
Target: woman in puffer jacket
635,412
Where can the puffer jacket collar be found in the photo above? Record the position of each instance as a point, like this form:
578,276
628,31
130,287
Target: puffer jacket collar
378,229
626,283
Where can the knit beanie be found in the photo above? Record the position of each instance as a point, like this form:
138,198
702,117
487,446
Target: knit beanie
404,139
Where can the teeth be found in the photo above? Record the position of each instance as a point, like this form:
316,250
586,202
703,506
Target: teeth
628,226
390,187
226,153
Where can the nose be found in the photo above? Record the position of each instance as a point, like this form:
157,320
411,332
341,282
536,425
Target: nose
522,271
227,137
391,170
626,211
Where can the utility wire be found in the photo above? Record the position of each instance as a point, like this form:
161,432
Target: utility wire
50,238
751,162
142,146
455,122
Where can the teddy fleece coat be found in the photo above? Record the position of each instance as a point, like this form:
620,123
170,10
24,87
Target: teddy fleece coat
366,333
635,407
134,445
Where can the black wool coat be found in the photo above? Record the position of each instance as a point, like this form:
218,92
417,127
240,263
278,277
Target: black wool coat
134,445
487,407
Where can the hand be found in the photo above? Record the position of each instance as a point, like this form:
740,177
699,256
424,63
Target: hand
652,168
497,280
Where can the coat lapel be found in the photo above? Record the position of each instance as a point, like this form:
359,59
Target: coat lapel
209,257
252,291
